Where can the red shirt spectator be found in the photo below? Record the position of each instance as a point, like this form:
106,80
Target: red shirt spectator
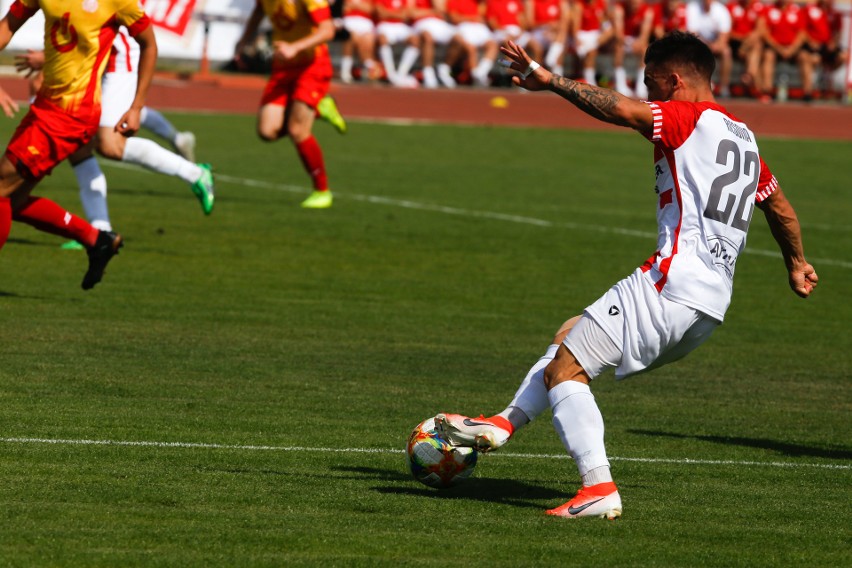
744,16
785,23
546,11
669,15
593,15
503,13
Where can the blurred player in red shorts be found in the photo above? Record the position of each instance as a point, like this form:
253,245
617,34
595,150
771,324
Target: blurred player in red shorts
301,77
64,116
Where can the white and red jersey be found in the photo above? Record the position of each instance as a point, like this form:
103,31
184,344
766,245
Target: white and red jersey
592,15
785,23
468,9
504,13
709,178
744,16
124,55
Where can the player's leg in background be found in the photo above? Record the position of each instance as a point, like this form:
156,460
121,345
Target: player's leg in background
118,90
299,124
183,142
93,190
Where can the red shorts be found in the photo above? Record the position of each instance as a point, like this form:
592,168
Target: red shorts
308,84
46,136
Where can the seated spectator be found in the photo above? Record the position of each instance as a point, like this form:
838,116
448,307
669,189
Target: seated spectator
711,21
633,21
824,25
746,45
469,18
431,29
591,28
358,21
549,26
782,29
669,15
391,30
507,21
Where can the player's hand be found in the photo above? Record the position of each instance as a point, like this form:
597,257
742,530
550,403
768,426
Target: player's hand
129,123
519,63
284,51
30,62
8,104
803,280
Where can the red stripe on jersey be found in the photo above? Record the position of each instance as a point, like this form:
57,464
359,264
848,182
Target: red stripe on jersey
657,113
113,55
320,15
767,184
139,26
128,64
666,263
105,39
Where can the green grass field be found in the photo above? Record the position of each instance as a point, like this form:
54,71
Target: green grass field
256,373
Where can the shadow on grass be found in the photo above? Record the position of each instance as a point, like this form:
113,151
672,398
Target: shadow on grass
785,448
503,491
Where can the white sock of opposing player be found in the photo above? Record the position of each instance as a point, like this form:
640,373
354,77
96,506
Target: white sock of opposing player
93,190
158,124
407,61
386,55
531,397
580,426
589,75
151,155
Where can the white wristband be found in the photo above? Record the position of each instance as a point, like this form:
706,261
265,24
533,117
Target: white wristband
531,69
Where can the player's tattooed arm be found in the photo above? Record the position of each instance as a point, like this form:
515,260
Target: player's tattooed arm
604,104
598,102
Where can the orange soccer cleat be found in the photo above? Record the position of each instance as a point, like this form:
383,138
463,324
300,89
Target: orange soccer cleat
601,500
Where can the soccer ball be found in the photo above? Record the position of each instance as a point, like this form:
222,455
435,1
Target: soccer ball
433,461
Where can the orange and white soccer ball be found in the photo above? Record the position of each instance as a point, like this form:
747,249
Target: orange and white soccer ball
434,461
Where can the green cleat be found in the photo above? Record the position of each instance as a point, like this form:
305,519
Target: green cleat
318,200
203,188
72,245
327,110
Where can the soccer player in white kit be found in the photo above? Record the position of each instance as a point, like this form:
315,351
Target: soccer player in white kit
118,86
709,178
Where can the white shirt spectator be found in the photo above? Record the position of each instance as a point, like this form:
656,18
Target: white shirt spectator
708,19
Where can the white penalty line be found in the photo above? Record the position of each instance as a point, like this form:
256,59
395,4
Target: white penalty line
239,447
471,213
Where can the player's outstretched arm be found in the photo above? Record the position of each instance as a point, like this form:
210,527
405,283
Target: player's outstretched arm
130,122
604,104
784,225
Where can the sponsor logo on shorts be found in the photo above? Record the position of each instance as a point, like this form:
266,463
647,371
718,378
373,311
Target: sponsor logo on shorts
614,311
33,150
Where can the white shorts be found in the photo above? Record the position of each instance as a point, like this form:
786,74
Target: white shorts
635,329
474,33
587,41
442,32
394,32
117,93
358,25
514,33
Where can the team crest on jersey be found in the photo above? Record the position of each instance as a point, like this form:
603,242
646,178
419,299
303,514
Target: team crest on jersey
90,6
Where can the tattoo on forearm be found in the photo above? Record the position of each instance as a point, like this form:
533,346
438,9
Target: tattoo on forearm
598,102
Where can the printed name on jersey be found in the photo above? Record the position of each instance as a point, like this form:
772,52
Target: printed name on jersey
724,253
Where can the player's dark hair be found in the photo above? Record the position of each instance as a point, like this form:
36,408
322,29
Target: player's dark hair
684,50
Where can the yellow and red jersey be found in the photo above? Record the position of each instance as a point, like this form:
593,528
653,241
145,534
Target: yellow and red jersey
293,20
78,37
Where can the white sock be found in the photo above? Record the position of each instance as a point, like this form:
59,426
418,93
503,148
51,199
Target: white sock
407,61
579,423
641,89
620,78
430,80
531,396
445,73
158,124
483,67
151,155
386,55
93,190
346,67
554,54
589,75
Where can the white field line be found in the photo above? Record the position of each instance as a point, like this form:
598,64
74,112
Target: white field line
254,448
472,213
